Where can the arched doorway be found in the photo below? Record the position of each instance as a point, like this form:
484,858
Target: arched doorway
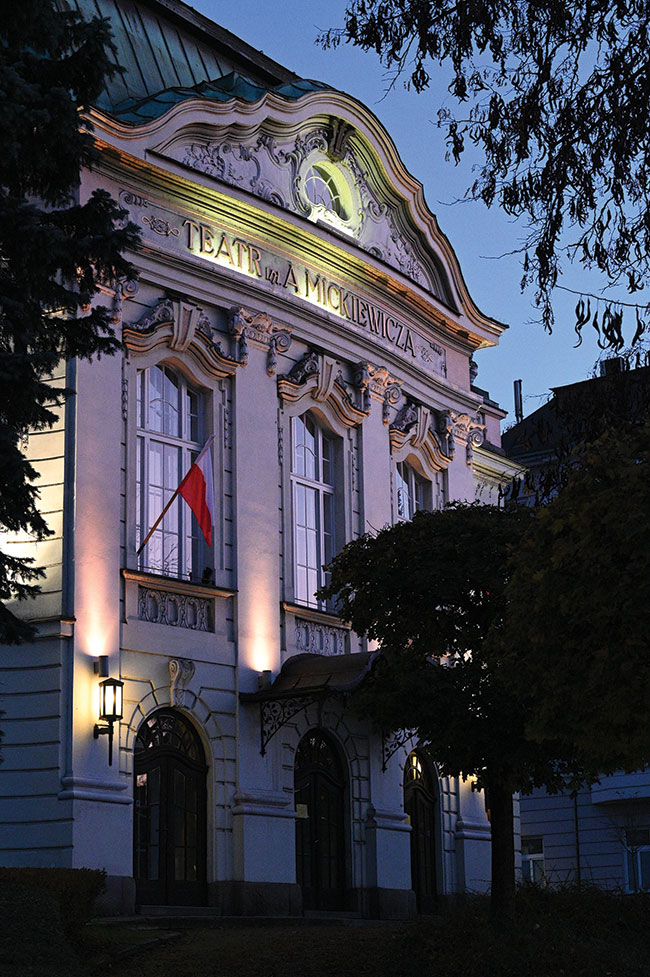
169,833
420,803
319,784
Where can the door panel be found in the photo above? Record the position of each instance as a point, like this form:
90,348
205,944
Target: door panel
320,826
170,813
420,805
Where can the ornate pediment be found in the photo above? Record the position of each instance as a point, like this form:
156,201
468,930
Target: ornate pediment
421,431
182,327
326,173
317,378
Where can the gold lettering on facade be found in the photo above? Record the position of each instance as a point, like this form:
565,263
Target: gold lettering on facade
290,280
337,293
240,246
254,259
207,240
316,288
313,284
224,248
192,229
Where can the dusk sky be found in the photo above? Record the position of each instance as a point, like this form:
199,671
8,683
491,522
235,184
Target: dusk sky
285,30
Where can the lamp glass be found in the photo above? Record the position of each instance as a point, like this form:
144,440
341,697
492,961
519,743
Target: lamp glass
111,699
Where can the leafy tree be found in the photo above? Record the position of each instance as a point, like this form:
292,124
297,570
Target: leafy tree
54,249
577,630
431,592
555,95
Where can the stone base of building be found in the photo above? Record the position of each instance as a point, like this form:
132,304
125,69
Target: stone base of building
376,903
118,898
255,898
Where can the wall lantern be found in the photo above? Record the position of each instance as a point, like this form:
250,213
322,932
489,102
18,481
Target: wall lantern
110,710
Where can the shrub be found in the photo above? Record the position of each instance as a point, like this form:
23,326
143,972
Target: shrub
73,889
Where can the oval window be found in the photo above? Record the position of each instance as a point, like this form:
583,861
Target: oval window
322,190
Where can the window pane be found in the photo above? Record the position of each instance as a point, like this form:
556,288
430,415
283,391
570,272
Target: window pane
531,846
644,869
192,416
155,399
171,405
327,460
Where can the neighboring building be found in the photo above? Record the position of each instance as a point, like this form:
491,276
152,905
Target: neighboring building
297,301
602,836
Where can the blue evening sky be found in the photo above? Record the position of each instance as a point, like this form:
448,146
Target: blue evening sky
285,30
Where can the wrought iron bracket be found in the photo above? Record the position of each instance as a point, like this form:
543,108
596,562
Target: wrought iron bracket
392,742
276,713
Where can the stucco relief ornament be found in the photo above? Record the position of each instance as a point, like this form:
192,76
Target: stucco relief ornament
304,368
239,165
469,430
446,431
377,381
160,226
340,133
181,671
131,199
257,326
406,419
238,330
430,352
163,311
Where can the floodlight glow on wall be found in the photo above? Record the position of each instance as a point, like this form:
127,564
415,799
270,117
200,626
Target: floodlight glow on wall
111,692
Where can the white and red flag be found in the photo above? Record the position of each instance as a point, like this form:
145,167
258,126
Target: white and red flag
197,488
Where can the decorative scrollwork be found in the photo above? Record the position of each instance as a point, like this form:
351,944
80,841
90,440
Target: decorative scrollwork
174,610
319,639
181,671
304,368
275,713
392,742
160,226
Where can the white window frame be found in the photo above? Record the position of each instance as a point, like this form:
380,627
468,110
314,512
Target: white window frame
323,494
634,849
192,554
536,874
415,491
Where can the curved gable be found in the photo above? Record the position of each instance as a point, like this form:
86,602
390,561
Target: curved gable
315,153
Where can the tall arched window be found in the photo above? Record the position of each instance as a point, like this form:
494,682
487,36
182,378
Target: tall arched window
415,492
313,478
169,437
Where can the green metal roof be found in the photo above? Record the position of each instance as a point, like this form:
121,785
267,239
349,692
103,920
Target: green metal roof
133,111
164,46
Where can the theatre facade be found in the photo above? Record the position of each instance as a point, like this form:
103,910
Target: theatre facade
297,303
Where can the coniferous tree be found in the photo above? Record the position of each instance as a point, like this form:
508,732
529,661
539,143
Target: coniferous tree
54,249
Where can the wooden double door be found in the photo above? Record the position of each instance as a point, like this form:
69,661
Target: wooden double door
169,844
320,790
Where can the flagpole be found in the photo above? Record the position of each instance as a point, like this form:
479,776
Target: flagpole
156,524
158,520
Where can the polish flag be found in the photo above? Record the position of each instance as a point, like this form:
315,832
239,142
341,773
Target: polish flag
197,488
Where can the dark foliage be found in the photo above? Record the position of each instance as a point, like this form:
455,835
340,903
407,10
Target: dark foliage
579,591
74,891
55,249
555,96
432,593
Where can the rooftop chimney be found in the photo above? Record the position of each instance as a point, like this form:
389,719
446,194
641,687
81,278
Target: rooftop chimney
519,403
